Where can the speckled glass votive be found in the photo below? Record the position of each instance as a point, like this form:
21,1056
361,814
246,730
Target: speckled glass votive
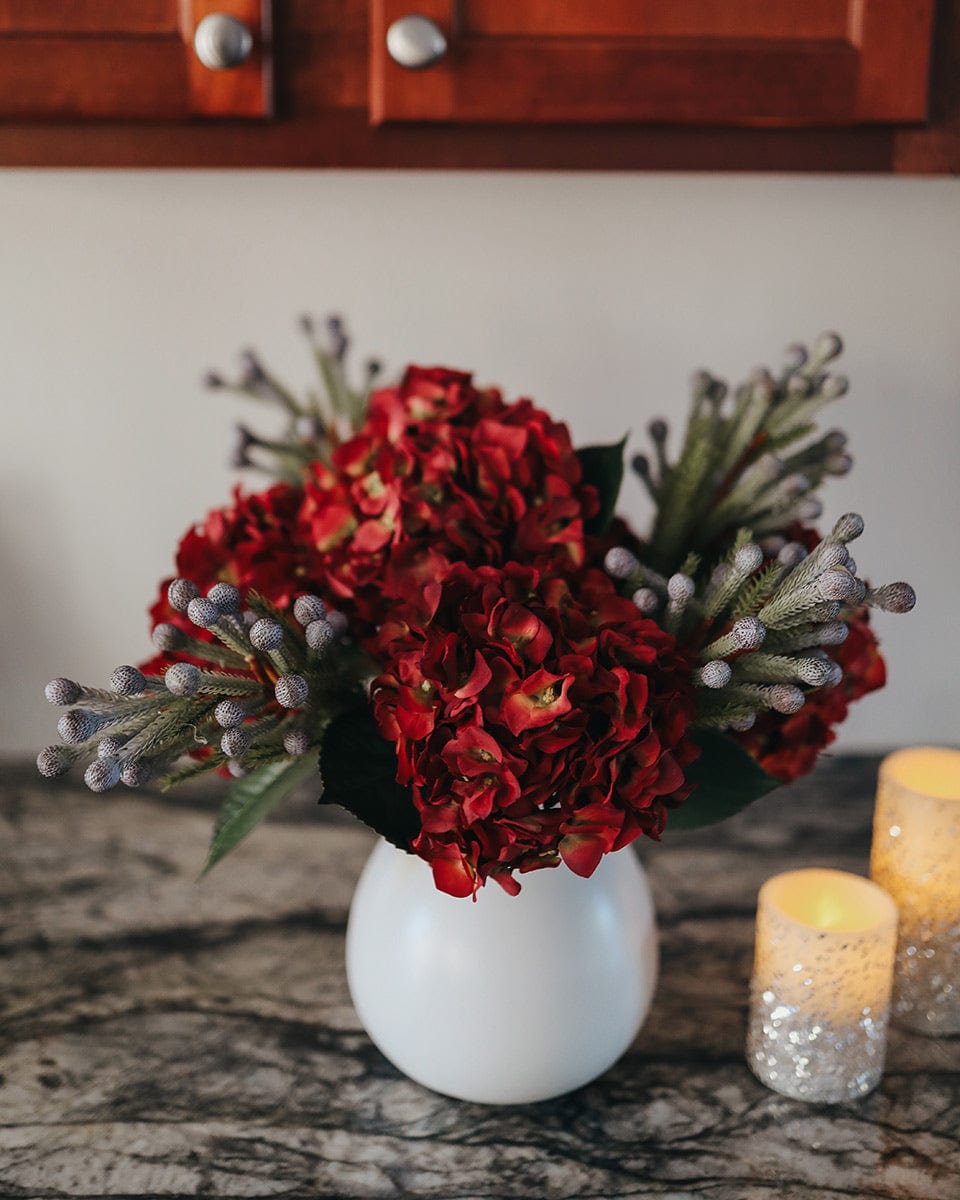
820,992
916,858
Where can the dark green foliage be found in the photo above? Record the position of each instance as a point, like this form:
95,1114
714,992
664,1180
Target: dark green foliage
359,769
727,779
602,466
253,798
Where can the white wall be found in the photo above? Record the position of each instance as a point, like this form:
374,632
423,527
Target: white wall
595,294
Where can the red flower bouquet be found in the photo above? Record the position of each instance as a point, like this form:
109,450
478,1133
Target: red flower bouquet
438,610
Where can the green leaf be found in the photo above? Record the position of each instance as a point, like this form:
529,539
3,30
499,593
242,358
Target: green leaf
251,799
727,779
359,770
603,467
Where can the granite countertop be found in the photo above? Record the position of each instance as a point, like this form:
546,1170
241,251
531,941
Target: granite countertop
160,1037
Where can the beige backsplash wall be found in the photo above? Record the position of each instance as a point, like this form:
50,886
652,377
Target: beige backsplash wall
596,294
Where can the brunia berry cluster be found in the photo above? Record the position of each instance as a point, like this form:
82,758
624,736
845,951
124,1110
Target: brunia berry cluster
761,627
257,693
434,597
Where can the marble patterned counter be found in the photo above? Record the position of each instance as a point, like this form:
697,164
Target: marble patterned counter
160,1037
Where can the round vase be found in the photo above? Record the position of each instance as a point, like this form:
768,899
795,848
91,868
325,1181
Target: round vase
508,999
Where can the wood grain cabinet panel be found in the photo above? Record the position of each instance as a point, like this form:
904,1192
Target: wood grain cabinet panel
127,59
704,62
728,85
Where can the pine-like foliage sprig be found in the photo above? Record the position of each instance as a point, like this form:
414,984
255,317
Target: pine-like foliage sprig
730,470
756,591
314,424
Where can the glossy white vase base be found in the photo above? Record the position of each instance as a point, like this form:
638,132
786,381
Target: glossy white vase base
509,1000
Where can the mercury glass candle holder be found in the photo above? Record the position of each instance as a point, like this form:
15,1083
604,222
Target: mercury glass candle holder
916,858
820,992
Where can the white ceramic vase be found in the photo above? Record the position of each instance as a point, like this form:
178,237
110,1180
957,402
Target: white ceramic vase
509,999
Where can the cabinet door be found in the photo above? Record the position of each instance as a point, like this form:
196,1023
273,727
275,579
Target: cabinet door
726,62
130,60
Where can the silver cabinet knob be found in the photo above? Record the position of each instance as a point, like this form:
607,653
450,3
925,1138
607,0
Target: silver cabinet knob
222,42
415,42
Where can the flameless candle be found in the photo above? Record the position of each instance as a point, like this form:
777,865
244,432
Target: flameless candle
916,858
820,991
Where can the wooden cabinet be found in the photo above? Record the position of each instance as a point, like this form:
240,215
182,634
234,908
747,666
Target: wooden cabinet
826,85
745,62
131,60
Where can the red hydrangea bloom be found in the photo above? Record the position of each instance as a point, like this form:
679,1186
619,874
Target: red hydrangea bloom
787,746
536,718
443,472
253,544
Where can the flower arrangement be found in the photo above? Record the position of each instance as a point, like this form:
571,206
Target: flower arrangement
434,605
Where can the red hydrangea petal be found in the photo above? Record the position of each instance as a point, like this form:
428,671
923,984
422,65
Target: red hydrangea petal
582,852
452,874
